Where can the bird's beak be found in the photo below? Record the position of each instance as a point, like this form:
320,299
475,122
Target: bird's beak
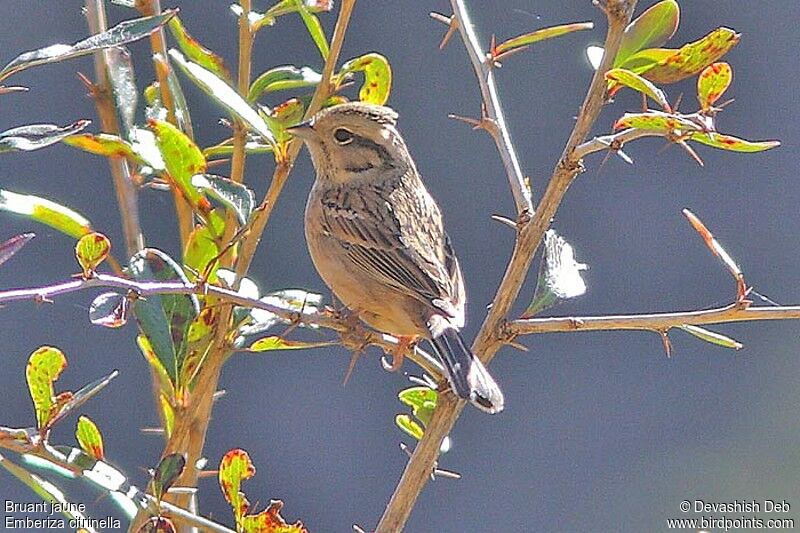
304,130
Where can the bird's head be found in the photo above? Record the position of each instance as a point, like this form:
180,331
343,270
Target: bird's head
353,141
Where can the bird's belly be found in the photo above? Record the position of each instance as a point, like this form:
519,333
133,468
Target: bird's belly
380,306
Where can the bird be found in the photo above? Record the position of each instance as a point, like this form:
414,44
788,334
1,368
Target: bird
376,236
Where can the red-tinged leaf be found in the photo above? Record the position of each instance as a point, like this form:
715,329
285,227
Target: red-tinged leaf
731,143
651,29
13,245
109,310
183,159
158,524
693,57
123,33
196,52
657,121
200,250
270,521
91,250
539,35
44,367
104,144
712,83
638,83
377,77
716,248
283,116
167,472
274,342
234,468
89,438
712,337
36,136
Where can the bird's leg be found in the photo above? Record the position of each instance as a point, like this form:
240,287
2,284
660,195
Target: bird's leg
398,354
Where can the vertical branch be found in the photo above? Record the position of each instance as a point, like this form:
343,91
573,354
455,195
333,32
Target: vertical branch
529,236
192,421
243,85
101,91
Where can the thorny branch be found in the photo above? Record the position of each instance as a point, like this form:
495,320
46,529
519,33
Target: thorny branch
529,236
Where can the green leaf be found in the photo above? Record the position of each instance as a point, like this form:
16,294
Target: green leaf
377,77
646,59
121,34
182,159
224,94
234,468
559,275
167,472
42,210
731,143
197,52
274,342
539,35
164,380
422,401
163,318
693,57
712,84
91,250
104,144
13,245
283,116
712,337
283,78
657,121
409,425
109,309
89,438
201,249
651,29
232,195
44,367
314,28
638,83
36,136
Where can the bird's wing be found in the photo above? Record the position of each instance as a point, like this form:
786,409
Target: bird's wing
393,231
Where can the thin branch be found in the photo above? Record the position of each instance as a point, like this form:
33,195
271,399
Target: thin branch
614,141
529,236
101,89
191,424
353,334
492,110
652,322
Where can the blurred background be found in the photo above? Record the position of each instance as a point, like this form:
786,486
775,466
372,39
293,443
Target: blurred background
602,432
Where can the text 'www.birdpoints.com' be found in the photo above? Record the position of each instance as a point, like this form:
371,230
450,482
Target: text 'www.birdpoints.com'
706,516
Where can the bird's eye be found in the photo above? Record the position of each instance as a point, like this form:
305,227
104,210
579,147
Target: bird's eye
343,136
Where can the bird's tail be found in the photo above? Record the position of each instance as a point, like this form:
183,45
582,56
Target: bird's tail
467,375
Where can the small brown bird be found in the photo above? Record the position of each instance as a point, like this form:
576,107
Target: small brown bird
376,236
